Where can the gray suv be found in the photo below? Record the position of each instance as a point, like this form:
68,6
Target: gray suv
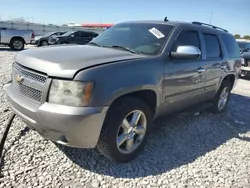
105,94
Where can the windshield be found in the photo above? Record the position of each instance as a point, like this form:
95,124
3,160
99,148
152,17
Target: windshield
242,45
68,33
145,38
48,34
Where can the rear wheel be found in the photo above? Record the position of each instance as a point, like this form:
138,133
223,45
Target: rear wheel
125,129
17,44
222,97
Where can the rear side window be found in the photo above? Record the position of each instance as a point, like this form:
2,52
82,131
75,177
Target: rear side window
231,46
213,49
187,38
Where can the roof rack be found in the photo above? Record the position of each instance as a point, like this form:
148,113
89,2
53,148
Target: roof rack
215,27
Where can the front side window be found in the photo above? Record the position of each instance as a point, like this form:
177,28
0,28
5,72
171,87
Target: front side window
77,34
187,38
212,46
87,34
145,38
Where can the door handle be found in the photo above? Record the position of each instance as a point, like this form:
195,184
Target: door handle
200,70
223,67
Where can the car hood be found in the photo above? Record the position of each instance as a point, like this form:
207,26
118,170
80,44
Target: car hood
65,60
38,38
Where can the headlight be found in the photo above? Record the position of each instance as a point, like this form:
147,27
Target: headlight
70,93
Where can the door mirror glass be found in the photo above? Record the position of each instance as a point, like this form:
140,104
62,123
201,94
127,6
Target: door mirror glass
186,52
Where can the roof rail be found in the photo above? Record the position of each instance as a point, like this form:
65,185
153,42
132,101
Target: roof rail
215,27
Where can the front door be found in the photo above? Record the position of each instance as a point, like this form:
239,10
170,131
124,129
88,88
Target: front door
76,39
184,79
86,37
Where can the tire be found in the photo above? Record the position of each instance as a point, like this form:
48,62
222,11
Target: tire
17,44
225,87
44,43
112,128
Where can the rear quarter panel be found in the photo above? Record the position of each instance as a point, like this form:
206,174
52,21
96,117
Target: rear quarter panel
233,64
120,78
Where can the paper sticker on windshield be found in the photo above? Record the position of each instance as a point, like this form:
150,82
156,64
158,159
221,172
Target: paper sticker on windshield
156,33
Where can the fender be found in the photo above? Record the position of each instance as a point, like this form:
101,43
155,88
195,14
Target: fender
111,81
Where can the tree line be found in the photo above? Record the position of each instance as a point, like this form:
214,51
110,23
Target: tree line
237,36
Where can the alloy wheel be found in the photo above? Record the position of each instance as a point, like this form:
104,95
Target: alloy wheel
131,132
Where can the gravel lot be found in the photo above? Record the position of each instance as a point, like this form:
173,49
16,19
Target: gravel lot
202,150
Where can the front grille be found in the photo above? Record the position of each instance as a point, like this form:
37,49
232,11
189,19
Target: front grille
29,77
29,92
28,74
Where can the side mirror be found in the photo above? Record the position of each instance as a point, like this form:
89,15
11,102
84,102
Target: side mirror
186,52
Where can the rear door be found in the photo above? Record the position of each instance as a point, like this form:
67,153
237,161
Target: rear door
184,79
215,62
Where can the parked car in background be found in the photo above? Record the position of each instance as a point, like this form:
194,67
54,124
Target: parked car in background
245,65
16,39
35,39
105,94
75,37
244,45
44,40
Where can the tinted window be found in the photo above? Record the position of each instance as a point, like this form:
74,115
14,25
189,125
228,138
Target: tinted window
77,34
242,45
248,46
231,46
68,33
87,34
212,46
145,38
187,38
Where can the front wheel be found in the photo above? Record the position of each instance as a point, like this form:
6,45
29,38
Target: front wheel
125,129
44,43
222,97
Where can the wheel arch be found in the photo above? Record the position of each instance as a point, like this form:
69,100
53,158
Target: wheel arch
17,37
231,78
146,94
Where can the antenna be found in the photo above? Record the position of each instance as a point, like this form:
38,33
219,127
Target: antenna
211,17
166,19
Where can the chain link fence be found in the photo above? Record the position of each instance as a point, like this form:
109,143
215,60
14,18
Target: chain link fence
41,29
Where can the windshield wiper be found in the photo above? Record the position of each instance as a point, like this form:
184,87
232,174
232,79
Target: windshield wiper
95,44
123,48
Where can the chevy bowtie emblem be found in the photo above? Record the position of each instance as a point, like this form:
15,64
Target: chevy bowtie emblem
19,79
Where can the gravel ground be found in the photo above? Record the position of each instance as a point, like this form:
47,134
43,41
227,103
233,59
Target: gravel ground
202,150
